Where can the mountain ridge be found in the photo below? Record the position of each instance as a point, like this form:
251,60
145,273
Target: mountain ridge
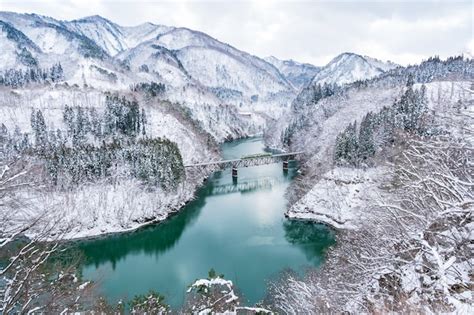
194,66
348,67
299,74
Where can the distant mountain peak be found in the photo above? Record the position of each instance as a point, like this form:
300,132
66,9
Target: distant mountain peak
299,74
93,18
348,67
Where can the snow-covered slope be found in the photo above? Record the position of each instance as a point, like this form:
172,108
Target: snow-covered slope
53,37
206,61
143,32
112,37
18,50
51,41
349,67
103,32
383,65
299,74
197,70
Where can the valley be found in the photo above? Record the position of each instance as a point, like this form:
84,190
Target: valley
101,211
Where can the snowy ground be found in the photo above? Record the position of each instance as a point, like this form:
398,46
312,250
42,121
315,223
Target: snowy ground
342,197
216,296
96,209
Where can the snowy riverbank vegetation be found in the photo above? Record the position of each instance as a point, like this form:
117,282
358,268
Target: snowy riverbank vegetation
110,149
398,190
97,121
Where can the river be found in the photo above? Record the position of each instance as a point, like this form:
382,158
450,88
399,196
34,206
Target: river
236,228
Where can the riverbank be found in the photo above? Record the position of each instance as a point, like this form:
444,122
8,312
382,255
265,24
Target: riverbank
95,209
342,197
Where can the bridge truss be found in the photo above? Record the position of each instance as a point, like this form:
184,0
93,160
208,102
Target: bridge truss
249,161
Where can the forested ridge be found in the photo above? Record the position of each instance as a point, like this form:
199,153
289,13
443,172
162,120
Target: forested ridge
95,145
357,143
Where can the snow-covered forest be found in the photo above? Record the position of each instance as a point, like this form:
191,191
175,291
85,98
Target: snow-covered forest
395,178
98,120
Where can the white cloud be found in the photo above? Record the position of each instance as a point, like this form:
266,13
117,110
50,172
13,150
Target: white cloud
308,31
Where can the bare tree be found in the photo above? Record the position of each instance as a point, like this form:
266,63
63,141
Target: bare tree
29,282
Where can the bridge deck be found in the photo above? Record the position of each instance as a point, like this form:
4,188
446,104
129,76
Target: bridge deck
249,161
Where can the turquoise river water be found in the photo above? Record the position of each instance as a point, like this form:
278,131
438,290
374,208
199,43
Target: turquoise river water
238,229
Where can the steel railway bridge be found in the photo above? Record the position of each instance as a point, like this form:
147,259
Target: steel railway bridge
250,160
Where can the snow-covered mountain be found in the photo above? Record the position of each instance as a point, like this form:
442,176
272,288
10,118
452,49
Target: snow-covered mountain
53,37
112,37
299,74
197,57
52,41
198,71
103,54
350,67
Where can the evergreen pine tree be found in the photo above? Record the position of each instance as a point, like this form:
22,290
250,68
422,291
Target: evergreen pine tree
144,122
68,117
41,136
33,120
366,147
352,144
95,123
79,130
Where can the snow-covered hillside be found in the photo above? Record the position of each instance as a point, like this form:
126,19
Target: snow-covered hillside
176,56
200,58
103,32
53,38
88,210
18,51
407,221
383,65
198,71
318,140
350,67
299,74
114,38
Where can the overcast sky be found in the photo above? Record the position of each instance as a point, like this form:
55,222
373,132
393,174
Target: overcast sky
308,31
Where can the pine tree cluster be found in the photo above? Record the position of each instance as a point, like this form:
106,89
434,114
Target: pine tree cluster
310,96
151,89
409,114
432,69
95,146
19,78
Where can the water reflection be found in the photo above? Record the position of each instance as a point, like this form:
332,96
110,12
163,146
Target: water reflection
149,240
311,238
246,185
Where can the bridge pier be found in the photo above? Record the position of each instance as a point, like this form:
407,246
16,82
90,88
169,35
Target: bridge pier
285,166
234,172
